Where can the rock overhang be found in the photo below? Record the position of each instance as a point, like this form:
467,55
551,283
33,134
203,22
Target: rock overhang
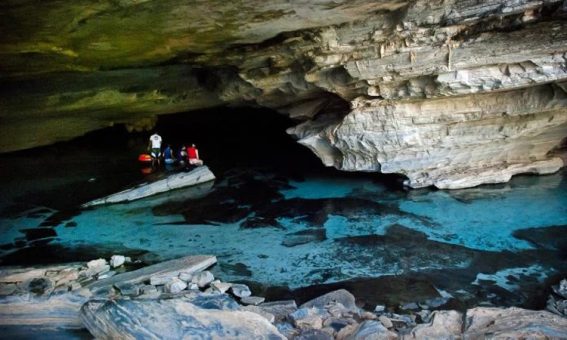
390,86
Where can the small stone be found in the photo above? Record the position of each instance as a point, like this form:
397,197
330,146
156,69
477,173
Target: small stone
252,300
287,330
203,278
346,332
148,289
117,260
280,309
240,290
128,288
313,334
106,275
386,322
305,318
175,286
424,315
192,286
380,309
187,277
221,287
368,316
373,330
96,263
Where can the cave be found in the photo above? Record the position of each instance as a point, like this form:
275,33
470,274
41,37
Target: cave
407,158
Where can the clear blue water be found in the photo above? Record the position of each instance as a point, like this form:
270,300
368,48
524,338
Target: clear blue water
292,225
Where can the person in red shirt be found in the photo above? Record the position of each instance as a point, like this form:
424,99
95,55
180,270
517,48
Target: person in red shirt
193,155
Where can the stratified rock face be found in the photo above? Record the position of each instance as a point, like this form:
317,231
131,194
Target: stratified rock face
449,93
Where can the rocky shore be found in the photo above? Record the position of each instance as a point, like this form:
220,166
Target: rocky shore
181,299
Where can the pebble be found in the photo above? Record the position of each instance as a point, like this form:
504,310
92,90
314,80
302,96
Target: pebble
379,308
221,287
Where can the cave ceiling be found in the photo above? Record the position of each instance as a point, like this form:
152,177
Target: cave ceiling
367,78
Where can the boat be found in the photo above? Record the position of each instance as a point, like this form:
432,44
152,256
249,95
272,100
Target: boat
174,181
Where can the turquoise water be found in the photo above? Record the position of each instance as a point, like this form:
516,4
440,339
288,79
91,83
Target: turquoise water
284,222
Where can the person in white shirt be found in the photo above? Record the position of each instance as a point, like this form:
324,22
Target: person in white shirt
155,147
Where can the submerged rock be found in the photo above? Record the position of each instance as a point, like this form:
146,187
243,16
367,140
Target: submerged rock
171,319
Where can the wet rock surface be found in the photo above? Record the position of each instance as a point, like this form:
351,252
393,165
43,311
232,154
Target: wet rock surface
172,310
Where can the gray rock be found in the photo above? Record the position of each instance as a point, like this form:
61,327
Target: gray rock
175,286
385,321
306,318
409,306
287,330
561,289
372,330
192,286
341,296
126,288
255,309
443,325
187,277
203,278
221,287
514,323
280,309
171,319
240,290
39,286
380,309
252,300
95,267
117,261
313,334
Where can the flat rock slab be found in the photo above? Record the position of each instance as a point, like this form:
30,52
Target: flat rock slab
338,296
188,264
56,311
171,319
514,323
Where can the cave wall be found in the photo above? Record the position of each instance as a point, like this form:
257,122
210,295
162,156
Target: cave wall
451,93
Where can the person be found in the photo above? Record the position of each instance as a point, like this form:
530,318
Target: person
155,148
168,156
193,155
183,155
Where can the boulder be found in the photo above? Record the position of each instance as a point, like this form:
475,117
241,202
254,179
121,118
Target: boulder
117,261
341,296
175,286
171,319
444,324
372,330
240,290
514,323
202,279
252,300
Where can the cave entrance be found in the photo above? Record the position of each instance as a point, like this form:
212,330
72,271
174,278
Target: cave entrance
230,138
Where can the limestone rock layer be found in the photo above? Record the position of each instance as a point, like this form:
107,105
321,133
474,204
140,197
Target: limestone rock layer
451,93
